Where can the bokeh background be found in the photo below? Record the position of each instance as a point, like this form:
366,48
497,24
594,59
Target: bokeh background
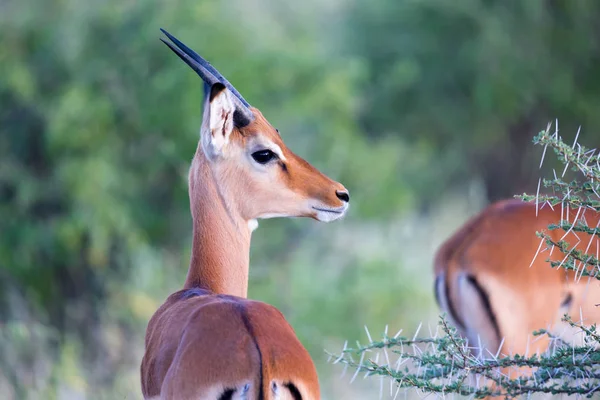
424,109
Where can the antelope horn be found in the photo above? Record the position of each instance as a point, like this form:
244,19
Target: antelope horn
243,115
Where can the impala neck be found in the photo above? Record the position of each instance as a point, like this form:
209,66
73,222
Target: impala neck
221,242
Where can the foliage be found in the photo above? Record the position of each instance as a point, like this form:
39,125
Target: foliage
448,364
399,100
472,80
98,123
574,195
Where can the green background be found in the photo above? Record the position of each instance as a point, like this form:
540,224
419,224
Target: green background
424,110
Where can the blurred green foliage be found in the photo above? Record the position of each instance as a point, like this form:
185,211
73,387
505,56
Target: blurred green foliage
474,80
399,100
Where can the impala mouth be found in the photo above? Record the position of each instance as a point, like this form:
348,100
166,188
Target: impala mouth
335,211
325,214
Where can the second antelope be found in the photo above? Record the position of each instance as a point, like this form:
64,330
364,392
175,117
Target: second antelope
497,287
207,341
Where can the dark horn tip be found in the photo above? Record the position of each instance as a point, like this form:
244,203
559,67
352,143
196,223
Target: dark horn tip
174,40
206,71
167,34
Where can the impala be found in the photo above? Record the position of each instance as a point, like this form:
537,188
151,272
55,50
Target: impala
207,341
495,284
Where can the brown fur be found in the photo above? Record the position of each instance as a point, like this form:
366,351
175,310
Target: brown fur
208,340
494,251
219,342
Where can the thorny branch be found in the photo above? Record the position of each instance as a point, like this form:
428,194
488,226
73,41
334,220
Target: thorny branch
447,365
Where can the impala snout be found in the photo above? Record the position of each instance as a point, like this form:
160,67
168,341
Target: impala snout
333,206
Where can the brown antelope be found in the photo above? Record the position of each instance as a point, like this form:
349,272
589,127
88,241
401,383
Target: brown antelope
207,341
496,285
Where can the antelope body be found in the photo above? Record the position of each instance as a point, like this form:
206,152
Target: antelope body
208,341
498,288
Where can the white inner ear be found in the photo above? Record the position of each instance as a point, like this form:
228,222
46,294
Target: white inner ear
220,124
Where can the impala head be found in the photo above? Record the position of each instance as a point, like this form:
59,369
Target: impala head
255,171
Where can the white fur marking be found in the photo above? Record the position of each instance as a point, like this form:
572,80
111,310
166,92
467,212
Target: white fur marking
277,150
328,214
252,225
275,390
241,391
273,215
244,393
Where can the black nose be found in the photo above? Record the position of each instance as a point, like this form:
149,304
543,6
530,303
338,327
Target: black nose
343,195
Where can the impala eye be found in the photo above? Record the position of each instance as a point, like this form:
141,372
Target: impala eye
263,156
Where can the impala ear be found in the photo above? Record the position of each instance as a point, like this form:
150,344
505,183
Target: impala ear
220,121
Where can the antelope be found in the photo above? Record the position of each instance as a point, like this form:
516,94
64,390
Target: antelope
208,341
496,286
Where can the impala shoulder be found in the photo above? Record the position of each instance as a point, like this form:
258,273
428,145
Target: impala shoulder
292,374
456,243
509,205
188,303
511,208
273,331
258,308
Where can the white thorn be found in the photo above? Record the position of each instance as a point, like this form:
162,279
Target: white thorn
537,252
362,357
576,136
417,332
368,334
537,195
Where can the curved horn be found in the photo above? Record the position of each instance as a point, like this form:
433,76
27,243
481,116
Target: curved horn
206,65
243,115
